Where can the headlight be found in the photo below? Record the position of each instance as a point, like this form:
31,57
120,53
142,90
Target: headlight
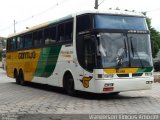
102,76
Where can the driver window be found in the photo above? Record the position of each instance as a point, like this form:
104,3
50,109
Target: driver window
88,53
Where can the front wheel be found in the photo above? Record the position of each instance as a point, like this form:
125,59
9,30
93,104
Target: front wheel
114,93
69,85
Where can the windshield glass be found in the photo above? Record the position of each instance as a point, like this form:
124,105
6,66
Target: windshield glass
123,50
113,50
119,22
140,50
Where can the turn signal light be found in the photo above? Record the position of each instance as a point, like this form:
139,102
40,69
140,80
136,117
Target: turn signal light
99,75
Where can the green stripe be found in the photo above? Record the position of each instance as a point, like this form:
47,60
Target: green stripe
47,61
147,69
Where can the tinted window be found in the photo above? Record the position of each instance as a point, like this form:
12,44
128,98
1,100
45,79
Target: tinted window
85,52
20,42
38,38
119,22
50,35
69,31
83,23
65,31
61,36
28,40
11,44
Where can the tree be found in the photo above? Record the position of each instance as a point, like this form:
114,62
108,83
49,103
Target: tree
155,37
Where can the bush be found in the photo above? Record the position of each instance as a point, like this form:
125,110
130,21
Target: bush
157,66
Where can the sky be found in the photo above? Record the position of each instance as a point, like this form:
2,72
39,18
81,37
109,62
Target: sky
28,13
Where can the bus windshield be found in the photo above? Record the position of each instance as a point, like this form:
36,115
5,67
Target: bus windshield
119,22
123,50
120,41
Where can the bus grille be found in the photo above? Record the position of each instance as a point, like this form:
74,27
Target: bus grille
123,75
136,74
133,75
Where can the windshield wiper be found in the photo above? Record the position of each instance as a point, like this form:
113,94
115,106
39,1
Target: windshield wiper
134,51
122,52
125,45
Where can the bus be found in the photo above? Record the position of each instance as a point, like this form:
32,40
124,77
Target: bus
93,51
4,59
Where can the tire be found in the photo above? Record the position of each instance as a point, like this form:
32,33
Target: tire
69,85
16,76
21,79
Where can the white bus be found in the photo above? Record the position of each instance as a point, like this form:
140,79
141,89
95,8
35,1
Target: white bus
93,51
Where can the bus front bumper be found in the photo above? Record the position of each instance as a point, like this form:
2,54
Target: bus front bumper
123,84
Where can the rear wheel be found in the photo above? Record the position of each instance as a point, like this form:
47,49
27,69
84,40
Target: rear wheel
16,76
21,78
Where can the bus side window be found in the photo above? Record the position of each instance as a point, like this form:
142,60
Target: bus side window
20,42
9,44
83,23
28,41
12,44
65,31
61,37
38,38
50,35
69,31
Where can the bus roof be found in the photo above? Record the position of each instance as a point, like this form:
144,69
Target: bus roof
111,12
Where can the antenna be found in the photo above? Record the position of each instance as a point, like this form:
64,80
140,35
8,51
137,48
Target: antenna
14,22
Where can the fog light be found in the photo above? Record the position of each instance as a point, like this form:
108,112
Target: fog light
108,75
148,74
108,84
149,82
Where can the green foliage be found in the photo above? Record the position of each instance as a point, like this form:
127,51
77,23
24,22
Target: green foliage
155,37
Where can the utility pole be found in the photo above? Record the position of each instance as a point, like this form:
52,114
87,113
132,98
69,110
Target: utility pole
14,26
96,4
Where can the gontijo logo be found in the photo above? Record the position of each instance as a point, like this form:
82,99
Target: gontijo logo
27,55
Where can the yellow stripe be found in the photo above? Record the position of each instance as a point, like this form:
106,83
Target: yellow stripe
121,70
